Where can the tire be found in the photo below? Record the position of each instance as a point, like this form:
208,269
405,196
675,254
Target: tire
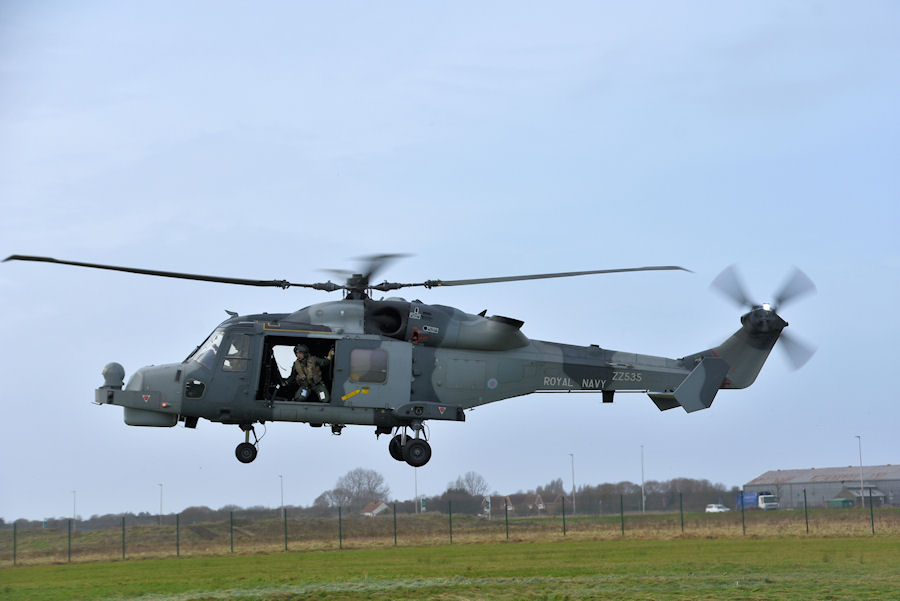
395,447
245,452
417,452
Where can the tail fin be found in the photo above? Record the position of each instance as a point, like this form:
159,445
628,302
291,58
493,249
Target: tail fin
733,364
746,350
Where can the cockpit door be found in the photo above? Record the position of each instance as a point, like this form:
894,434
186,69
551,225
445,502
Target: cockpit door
372,373
234,365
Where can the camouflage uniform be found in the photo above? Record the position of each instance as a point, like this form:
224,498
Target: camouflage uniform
307,374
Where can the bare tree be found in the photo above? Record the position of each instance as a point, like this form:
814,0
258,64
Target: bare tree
554,487
356,488
473,483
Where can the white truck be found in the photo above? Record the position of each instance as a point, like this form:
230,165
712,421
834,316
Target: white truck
762,500
767,502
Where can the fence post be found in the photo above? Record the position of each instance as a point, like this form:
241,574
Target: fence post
506,516
622,513
177,535
395,523
450,510
743,521
681,509
123,537
564,514
872,510
806,511
231,528
340,529
70,541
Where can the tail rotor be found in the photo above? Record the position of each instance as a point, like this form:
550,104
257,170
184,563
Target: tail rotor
797,284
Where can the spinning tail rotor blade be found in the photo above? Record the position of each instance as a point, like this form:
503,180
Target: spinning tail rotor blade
797,284
729,283
798,353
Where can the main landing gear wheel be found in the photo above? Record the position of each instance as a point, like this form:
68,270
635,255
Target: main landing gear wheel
245,452
395,447
416,452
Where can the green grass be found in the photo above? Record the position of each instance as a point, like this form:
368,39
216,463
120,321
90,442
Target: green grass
738,568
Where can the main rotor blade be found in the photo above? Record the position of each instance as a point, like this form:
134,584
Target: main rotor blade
539,276
173,274
797,284
375,263
798,353
729,283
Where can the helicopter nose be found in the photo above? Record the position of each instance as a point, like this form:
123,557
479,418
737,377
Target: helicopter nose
159,381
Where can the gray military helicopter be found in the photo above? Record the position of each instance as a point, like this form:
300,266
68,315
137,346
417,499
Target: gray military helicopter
396,364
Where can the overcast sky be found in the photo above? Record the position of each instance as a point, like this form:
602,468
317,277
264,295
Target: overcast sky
271,140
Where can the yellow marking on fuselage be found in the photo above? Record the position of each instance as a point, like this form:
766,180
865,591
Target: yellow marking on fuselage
364,390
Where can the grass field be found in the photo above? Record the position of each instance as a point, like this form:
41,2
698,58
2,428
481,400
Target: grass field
738,568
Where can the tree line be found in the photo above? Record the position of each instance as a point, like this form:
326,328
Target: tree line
466,495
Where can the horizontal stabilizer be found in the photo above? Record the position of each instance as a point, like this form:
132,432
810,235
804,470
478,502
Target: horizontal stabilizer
698,389
664,400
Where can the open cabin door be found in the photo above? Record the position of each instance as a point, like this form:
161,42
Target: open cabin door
276,362
372,373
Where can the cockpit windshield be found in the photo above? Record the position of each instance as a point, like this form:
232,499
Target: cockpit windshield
206,352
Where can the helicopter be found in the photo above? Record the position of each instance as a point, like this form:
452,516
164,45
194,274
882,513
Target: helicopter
395,364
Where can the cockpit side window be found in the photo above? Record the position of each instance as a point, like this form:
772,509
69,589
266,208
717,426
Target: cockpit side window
368,365
237,353
206,353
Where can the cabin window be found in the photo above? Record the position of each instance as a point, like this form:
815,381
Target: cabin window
237,354
368,365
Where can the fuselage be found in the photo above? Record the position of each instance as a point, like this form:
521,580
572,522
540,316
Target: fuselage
393,362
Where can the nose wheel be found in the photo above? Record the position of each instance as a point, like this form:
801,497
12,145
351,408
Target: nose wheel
247,451
414,451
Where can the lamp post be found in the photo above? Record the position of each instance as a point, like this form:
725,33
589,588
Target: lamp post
160,503
643,497
862,500
283,512
572,456
74,512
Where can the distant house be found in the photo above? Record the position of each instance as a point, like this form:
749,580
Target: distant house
825,485
373,509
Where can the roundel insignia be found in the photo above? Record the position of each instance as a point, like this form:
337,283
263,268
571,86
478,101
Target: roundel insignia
492,383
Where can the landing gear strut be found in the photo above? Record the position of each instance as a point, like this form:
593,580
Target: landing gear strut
247,451
414,451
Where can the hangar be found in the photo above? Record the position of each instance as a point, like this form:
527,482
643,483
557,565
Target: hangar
827,486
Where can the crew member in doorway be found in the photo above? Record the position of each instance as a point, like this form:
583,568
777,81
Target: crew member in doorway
307,374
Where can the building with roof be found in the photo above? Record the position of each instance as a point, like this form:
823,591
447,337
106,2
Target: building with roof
826,486
374,508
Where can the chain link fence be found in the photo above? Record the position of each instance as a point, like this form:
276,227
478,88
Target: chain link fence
277,530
